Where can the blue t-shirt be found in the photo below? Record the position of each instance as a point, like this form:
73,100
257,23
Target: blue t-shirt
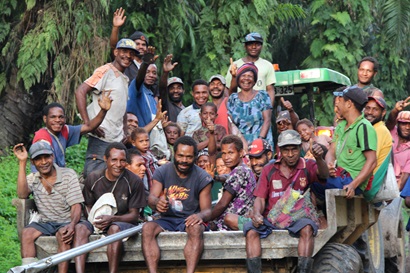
141,103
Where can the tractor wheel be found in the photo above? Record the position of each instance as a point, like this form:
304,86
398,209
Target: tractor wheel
337,258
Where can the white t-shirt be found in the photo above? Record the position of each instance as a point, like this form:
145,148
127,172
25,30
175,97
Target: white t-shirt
106,78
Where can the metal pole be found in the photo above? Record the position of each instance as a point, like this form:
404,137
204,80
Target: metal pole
74,252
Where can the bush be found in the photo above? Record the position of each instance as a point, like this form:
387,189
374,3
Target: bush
9,242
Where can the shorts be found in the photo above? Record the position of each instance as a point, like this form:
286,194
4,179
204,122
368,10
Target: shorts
123,225
242,220
51,228
174,224
332,183
266,229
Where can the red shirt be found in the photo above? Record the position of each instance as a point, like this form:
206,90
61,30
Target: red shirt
272,189
222,118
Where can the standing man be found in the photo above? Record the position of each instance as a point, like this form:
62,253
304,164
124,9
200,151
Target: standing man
398,123
219,97
260,154
188,119
129,194
171,90
107,78
367,69
266,73
142,102
181,193
59,135
57,195
288,171
138,37
354,145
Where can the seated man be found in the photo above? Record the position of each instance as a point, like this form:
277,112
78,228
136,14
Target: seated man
181,193
260,154
288,171
129,194
237,198
353,146
57,195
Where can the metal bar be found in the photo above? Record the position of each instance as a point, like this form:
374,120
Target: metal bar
74,252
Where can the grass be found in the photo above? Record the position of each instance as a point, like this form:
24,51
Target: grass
9,242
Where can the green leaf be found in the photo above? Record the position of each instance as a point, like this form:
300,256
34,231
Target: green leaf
342,17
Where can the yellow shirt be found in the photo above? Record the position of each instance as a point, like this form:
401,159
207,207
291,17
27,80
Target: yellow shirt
384,143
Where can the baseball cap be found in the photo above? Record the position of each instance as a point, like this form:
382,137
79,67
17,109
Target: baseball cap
289,137
203,152
219,77
253,37
173,80
127,44
138,35
404,116
258,147
283,115
379,100
354,93
40,148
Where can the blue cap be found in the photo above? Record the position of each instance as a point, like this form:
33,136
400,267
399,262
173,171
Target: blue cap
353,93
253,37
127,44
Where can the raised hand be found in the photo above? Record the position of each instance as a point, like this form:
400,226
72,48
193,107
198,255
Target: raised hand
119,18
160,115
316,149
210,169
210,125
287,104
400,105
233,68
104,101
149,56
168,65
20,152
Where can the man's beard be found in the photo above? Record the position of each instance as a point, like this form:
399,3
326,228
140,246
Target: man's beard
399,132
175,100
376,120
176,164
218,96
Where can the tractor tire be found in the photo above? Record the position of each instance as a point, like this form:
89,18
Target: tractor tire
391,220
337,258
376,248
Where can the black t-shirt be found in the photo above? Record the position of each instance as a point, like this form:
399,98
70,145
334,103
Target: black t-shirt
182,193
129,191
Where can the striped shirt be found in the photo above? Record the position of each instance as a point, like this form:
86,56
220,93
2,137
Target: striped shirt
66,192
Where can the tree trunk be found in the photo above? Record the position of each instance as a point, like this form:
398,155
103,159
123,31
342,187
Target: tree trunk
20,112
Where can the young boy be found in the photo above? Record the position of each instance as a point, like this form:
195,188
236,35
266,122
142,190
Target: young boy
237,198
208,115
172,133
140,140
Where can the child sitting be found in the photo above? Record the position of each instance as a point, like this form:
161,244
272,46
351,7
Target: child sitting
208,115
140,140
307,132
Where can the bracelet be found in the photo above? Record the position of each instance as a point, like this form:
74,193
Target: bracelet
262,137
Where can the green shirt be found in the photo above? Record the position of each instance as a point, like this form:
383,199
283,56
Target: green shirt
359,137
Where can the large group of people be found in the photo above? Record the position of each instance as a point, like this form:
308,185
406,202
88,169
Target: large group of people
154,158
